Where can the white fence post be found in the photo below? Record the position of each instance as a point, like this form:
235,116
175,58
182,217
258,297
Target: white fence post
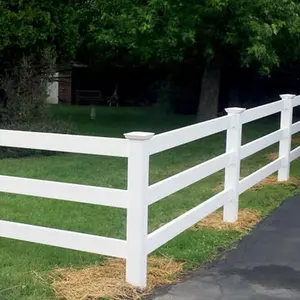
137,211
232,172
285,143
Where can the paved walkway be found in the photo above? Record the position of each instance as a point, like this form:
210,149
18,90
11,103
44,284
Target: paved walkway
265,266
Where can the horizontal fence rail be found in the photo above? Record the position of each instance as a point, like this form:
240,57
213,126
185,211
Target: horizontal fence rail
261,143
179,181
188,219
296,101
262,111
64,191
259,175
138,196
295,154
64,143
296,127
64,239
187,134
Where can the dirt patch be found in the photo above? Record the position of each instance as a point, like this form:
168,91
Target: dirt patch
108,281
272,156
219,188
273,181
248,218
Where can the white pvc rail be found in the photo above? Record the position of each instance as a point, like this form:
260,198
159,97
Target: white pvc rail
137,147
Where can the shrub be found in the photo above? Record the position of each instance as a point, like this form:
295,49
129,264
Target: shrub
23,94
24,89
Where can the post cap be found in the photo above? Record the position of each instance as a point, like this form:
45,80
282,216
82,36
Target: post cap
235,110
287,96
139,135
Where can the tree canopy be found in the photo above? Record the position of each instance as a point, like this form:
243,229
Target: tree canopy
30,26
261,33
165,30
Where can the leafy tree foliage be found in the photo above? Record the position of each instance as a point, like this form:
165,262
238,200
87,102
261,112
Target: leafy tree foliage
31,26
260,33
36,37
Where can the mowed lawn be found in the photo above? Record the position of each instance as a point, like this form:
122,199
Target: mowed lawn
23,264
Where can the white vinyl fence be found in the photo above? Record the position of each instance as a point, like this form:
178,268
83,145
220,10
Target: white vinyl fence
137,147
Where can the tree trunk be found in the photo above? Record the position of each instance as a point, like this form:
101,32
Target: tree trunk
209,96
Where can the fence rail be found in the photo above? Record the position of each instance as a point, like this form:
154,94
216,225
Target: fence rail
188,219
261,143
296,101
259,175
64,143
180,181
296,127
64,191
295,154
187,134
137,147
64,239
262,111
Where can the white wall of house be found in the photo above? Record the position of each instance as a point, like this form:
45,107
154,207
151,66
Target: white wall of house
53,91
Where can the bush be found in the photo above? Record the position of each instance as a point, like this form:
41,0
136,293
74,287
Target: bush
23,94
24,89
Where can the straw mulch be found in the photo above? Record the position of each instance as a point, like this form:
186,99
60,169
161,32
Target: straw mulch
269,181
272,156
108,281
248,218
218,188
273,181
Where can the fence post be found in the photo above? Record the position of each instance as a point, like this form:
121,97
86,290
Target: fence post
137,211
232,172
285,143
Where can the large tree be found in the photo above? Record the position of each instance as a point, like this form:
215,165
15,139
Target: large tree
28,27
36,38
260,33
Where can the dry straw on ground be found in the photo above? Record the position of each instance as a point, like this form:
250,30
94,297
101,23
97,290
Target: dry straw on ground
272,155
108,281
269,181
218,188
273,181
248,218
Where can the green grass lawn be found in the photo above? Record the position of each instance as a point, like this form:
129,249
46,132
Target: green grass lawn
22,263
